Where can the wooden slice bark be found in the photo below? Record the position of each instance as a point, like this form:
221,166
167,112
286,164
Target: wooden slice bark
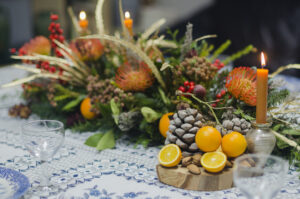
180,177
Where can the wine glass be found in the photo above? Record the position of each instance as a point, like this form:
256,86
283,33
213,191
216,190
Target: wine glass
43,138
259,176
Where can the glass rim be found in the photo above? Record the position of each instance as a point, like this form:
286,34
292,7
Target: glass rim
246,156
61,125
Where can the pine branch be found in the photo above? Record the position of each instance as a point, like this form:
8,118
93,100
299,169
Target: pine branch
220,50
239,54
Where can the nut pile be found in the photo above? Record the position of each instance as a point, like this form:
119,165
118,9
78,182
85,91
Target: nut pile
192,163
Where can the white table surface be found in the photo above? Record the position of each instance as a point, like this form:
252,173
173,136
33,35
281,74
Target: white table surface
84,173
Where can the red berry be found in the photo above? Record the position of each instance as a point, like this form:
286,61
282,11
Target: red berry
13,50
52,69
38,66
191,89
54,17
46,67
217,100
23,85
223,92
218,95
57,26
61,38
60,31
55,36
214,105
186,83
181,88
192,83
53,45
60,72
229,97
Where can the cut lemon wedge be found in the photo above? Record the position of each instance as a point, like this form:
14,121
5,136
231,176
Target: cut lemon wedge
169,155
213,161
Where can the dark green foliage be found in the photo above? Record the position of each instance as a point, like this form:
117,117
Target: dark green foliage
276,97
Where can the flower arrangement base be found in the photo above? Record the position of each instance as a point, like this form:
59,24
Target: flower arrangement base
180,177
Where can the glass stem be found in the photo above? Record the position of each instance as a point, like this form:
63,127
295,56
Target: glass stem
44,172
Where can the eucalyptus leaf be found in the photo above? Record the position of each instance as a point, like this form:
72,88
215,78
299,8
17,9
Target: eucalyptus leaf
73,103
115,109
291,131
93,140
61,97
150,115
107,141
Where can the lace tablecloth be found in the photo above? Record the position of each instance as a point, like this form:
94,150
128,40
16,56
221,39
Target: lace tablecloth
84,173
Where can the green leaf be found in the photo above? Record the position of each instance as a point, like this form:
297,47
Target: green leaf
94,139
73,103
61,97
281,144
291,131
244,115
150,115
107,141
143,100
277,127
164,98
115,109
105,110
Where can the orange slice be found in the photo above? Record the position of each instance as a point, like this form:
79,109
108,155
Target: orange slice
169,155
213,161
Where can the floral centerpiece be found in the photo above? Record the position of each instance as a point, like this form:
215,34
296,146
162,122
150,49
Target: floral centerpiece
127,84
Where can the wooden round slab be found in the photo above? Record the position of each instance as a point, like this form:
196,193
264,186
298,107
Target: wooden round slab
180,177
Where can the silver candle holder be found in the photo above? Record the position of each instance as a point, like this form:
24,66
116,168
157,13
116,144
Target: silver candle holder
261,138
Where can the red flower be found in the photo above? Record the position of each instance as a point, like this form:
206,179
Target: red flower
241,83
134,78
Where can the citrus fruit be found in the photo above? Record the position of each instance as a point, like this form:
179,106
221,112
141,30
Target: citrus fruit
85,109
169,155
234,144
164,123
208,139
213,161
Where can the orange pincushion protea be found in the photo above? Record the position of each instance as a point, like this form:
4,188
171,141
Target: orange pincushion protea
241,83
39,45
138,78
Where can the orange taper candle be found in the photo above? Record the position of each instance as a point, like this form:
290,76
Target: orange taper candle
128,22
83,22
261,92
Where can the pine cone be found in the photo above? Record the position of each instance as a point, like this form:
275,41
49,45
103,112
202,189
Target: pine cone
232,122
196,69
183,128
127,120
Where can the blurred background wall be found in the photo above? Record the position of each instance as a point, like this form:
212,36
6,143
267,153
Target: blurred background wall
270,25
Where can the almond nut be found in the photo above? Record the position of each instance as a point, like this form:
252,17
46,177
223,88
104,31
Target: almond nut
194,169
186,161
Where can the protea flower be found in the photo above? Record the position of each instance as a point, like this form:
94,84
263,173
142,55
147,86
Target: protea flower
241,83
39,45
87,49
134,78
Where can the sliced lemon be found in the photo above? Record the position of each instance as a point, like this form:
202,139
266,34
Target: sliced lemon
169,155
213,161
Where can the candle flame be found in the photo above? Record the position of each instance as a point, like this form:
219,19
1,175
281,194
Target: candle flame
82,15
127,15
263,60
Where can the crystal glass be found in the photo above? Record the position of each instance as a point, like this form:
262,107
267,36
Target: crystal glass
261,139
43,138
259,176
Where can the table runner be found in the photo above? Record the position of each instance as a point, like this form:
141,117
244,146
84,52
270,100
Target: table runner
82,172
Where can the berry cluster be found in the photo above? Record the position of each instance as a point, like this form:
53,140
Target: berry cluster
218,64
56,33
219,96
188,87
45,65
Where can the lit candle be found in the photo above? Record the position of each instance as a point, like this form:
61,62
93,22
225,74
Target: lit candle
83,22
128,22
261,92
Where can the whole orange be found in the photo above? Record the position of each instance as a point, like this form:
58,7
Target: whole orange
208,139
234,144
85,109
164,123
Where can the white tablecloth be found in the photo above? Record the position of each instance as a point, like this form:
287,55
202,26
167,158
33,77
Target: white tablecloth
84,173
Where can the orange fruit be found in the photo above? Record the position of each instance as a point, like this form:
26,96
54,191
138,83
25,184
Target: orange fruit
234,144
169,155
164,123
85,109
208,139
213,161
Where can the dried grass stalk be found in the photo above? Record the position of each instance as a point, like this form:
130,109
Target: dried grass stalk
99,17
74,19
154,27
283,68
